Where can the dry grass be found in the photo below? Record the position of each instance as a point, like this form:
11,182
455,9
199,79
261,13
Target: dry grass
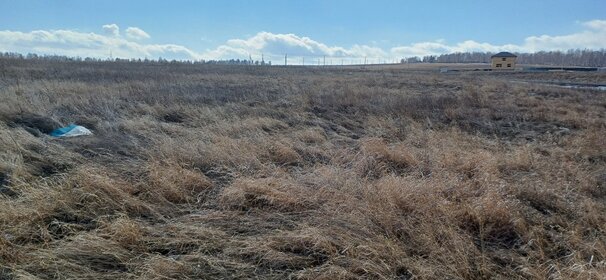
244,172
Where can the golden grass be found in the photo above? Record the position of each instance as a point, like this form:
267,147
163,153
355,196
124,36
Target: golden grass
207,172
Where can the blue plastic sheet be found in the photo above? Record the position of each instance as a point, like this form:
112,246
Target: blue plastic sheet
70,131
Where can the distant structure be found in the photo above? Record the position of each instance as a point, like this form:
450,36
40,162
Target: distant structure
503,61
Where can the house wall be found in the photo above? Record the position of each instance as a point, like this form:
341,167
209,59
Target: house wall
504,63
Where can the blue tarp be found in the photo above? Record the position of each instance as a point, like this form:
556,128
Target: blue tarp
70,131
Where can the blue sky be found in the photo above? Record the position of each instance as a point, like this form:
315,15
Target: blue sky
351,29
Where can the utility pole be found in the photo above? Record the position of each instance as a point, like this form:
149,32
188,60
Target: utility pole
324,60
364,60
285,59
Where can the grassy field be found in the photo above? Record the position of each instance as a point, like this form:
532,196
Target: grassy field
206,172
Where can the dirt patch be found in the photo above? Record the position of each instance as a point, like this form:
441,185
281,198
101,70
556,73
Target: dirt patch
102,262
66,223
507,129
599,191
4,185
110,144
4,179
44,167
34,123
6,273
174,117
492,233
253,222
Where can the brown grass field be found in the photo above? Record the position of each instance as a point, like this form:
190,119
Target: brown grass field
235,172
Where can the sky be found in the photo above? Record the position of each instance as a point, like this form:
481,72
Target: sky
341,30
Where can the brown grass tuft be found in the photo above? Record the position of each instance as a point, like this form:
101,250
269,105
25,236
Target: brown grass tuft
176,184
283,154
268,193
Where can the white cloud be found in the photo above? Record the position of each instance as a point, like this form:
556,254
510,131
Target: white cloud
136,33
440,47
592,38
596,24
72,43
273,46
111,29
276,45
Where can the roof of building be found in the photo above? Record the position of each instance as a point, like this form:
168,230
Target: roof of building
504,54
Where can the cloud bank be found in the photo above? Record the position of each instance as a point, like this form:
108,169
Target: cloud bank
273,46
79,44
136,33
593,36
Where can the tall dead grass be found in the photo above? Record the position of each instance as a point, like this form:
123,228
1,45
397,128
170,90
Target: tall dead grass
244,172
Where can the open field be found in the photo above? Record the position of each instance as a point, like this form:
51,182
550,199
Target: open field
206,172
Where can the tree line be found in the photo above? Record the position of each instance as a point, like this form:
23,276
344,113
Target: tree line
62,58
577,57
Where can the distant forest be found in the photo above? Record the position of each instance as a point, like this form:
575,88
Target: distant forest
588,58
31,56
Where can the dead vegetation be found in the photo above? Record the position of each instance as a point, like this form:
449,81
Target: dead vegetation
245,172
